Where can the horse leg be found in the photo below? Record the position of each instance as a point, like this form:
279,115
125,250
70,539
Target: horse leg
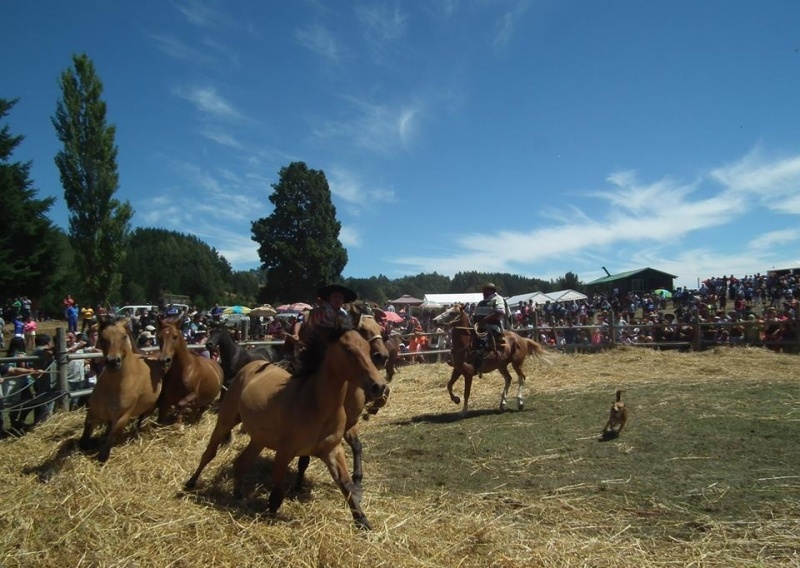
113,432
453,378
279,467
85,443
506,385
520,386
242,463
302,466
467,389
337,466
352,439
227,419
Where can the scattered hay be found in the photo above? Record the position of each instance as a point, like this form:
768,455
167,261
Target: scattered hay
59,507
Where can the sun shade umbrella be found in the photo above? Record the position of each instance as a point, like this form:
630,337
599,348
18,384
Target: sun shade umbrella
664,293
240,310
407,300
265,311
393,317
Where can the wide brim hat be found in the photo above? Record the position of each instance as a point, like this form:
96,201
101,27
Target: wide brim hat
489,286
326,291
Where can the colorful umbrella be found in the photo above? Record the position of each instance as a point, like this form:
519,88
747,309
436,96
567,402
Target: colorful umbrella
240,310
666,294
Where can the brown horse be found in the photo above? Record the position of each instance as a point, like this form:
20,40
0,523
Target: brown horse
128,386
355,400
516,349
298,415
191,382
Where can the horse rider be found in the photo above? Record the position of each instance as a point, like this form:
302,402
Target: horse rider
490,316
329,312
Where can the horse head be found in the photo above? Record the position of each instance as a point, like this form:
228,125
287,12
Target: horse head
454,315
364,322
116,341
170,341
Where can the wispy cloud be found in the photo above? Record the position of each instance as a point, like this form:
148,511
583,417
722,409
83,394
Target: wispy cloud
350,236
776,183
319,40
641,224
348,186
375,127
507,25
208,101
382,23
200,13
177,49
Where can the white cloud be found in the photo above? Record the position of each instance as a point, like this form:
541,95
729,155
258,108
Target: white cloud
317,39
382,22
208,101
506,26
350,236
378,128
348,186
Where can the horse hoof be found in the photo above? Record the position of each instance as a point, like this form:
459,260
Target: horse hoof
191,484
503,407
455,399
520,405
363,523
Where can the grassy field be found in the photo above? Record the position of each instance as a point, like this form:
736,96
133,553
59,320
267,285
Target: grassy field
706,473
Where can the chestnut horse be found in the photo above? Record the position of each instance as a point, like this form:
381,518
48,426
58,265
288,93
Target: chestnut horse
128,386
516,349
191,381
298,415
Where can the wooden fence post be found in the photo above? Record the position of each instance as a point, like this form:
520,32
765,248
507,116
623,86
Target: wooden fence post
62,366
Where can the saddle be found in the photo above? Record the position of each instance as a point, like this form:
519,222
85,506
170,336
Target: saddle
489,345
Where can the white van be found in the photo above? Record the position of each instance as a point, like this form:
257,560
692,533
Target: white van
137,310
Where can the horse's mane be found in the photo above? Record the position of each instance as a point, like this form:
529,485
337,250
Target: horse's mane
313,354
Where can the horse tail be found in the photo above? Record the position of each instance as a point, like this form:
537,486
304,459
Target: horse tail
536,350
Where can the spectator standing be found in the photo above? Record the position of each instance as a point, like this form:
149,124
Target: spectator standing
29,331
87,318
72,318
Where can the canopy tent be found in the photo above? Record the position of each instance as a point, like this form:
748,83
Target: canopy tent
537,297
406,300
542,298
565,296
440,300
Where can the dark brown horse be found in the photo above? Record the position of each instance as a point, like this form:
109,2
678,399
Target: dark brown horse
516,349
298,415
191,381
128,387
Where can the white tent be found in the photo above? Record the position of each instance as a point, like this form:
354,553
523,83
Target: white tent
442,300
565,296
541,298
537,297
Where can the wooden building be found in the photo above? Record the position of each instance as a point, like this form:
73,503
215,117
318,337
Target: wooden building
639,281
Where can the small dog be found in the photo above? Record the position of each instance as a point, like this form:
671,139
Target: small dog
616,418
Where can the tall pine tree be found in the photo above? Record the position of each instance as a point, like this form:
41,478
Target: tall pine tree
27,254
299,242
99,224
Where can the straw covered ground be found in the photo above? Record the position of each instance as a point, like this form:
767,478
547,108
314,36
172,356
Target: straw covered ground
705,474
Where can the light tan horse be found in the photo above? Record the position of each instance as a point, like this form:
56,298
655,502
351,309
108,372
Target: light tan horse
355,399
298,415
128,386
191,381
516,349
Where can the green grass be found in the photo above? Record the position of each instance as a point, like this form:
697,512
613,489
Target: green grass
706,453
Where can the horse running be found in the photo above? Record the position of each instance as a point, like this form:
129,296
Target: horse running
517,348
298,415
191,381
128,386
355,399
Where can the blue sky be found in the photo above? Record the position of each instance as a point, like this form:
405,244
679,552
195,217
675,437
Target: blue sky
520,136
